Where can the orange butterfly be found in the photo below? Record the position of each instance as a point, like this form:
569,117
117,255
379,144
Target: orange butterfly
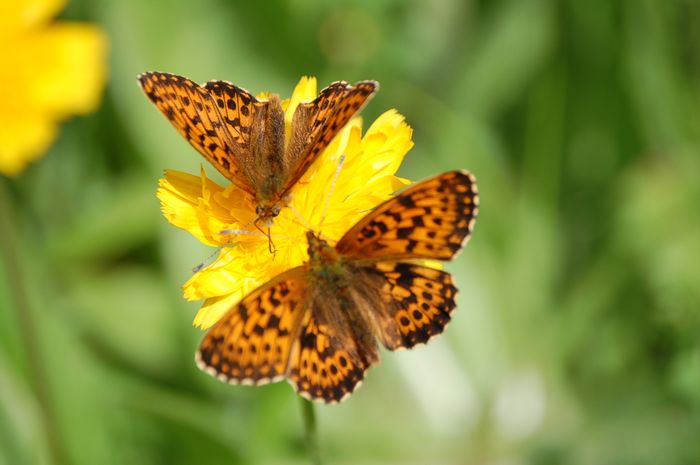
244,138
317,324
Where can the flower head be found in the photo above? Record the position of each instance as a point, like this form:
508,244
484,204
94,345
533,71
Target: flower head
48,71
352,175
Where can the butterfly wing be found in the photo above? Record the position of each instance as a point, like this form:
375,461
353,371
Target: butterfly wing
252,343
214,119
316,123
407,303
430,220
327,364
404,304
411,304
236,107
274,332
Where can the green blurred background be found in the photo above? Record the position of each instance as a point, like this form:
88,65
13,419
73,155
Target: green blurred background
576,339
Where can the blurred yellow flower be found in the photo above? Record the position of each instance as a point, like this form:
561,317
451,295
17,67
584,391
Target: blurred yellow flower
205,209
48,71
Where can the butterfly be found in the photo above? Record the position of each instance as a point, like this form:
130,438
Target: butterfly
317,325
244,138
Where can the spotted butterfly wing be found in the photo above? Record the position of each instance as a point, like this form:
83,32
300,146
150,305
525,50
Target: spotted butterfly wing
214,120
279,331
316,123
412,303
236,107
327,362
252,342
430,220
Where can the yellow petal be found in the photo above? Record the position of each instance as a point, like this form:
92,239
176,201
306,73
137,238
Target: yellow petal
305,91
25,14
70,75
222,277
22,140
49,73
213,309
183,205
225,282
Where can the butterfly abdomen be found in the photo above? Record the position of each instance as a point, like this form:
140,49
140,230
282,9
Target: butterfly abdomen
266,168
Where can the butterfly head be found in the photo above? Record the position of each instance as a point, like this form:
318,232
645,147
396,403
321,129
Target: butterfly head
266,212
320,252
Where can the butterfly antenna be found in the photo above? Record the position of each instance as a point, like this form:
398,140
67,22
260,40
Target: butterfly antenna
304,222
261,233
242,232
330,191
207,261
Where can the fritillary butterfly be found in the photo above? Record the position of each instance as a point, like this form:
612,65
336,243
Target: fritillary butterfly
317,325
244,138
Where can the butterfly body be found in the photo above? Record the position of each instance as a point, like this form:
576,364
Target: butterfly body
337,296
319,325
245,138
266,168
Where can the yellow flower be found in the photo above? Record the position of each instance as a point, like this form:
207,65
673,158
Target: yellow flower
48,71
363,179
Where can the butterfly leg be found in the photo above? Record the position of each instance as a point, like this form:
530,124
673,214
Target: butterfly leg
270,244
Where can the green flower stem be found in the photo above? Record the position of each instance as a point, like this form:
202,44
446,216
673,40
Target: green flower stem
307,411
20,298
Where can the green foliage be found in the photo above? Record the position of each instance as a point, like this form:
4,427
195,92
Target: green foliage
576,340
